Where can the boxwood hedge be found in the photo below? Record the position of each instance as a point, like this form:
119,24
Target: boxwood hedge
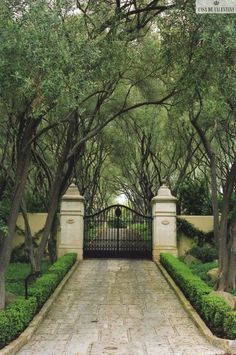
212,308
230,324
16,317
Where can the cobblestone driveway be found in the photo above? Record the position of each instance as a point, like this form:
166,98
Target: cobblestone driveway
116,307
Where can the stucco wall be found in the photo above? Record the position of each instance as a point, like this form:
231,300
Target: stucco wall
36,221
204,223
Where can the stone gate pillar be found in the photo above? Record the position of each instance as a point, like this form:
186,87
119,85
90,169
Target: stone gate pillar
164,223
72,223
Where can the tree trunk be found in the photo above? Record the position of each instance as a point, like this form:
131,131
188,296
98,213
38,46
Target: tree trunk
2,289
226,247
26,129
212,158
29,247
5,251
52,210
227,275
52,242
231,277
215,207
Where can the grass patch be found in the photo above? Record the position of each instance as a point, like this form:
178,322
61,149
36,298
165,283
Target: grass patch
17,272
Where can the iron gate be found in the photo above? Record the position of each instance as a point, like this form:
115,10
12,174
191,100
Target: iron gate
118,232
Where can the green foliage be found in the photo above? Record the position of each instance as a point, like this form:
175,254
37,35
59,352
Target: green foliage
202,269
144,229
19,254
212,308
43,287
190,231
205,253
34,202
230,324
17,272
113,223
4,210
15,318
46,284
194,198
192,286
63,264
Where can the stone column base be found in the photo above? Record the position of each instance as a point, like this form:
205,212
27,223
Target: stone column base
164,249
64,249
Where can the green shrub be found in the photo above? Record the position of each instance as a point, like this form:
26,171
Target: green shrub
192,286
15,318
143,229
205,253
212,308
202,269
43,287
194,197
17,272
113,223
46,284
230,324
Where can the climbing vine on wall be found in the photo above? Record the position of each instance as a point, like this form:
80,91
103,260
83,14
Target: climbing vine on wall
190,231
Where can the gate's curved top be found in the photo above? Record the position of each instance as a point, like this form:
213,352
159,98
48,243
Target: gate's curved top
118,231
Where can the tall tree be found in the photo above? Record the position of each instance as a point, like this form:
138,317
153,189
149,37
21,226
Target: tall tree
202,61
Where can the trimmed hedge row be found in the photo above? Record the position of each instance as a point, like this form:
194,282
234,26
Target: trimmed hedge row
212,308
230,324
46,284
16,317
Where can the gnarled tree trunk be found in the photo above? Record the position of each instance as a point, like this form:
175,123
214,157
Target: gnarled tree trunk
227,237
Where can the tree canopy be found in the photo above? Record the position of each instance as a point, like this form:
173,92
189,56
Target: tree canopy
120,96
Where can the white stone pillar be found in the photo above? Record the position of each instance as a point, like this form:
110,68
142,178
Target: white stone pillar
71,236
164,223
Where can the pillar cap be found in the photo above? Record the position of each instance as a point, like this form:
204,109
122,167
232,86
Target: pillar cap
72,193
164,194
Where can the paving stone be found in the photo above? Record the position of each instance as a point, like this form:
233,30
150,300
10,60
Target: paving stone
118,307
117,349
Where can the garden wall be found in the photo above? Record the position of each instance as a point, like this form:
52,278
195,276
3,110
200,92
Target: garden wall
204,223
37,220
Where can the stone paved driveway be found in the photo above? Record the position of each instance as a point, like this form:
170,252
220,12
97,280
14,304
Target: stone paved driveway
116,307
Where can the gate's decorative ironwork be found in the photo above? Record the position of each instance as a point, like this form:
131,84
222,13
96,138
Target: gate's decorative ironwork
118,231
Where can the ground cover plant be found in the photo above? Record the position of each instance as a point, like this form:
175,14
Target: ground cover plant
17,315
212,308
17,272
201,269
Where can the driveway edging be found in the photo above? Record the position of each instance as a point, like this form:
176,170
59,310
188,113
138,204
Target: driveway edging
26,335
225,344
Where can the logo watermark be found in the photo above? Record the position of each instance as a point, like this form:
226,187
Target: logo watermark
216,6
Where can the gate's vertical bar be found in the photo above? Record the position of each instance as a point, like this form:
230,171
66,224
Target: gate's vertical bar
118,232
